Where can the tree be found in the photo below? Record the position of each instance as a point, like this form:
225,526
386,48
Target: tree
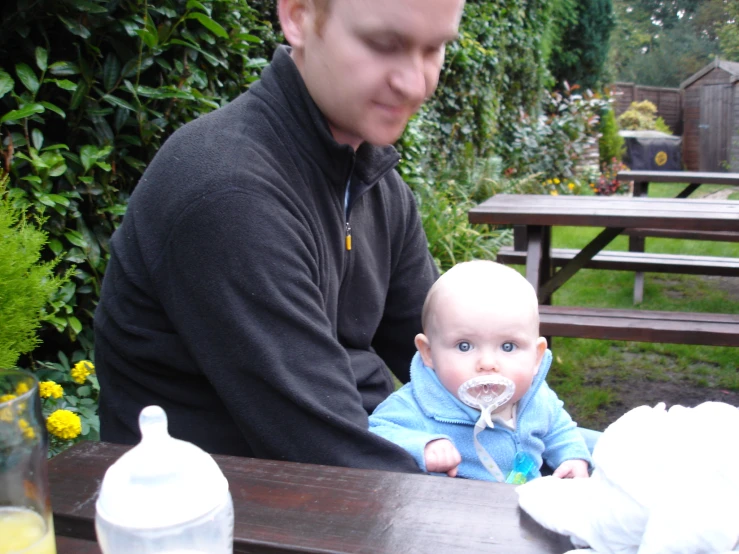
662,43
728,32
580,52
676,54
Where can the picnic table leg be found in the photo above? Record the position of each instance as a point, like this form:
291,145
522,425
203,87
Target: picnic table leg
637,244
539,262
538,259
519,237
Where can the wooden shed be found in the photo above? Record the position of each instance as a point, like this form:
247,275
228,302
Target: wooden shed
711,118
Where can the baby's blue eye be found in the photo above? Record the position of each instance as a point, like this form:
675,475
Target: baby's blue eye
464,346
508,347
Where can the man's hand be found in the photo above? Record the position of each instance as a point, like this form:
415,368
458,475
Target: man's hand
572,469
441,456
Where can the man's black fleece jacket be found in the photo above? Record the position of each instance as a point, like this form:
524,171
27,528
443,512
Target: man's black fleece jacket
232,301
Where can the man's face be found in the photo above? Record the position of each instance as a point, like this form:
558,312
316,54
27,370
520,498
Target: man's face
372,63
472,335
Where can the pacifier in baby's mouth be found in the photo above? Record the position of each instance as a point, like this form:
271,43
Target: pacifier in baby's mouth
486,393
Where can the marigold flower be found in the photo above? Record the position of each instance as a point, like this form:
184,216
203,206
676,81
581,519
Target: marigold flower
64,424
27,429
571,186
554,193
50,389
81,370
7,398
22,388
556,181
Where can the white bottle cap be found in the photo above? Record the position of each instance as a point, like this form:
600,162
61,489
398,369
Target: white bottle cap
160,482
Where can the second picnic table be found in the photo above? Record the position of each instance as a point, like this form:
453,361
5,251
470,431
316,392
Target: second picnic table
539,213
692,180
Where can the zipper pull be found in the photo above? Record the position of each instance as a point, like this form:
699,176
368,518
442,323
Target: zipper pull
348,236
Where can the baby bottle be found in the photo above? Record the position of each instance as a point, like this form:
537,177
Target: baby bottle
164,496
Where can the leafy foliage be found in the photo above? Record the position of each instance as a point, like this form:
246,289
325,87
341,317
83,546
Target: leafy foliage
607,184
553,143
610,144
728,31
79,394
89,89
495,69
26,282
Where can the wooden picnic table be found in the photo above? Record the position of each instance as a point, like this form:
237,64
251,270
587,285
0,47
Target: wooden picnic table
282,507
693,180
539,213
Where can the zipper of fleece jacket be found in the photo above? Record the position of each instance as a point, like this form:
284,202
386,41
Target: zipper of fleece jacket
347,208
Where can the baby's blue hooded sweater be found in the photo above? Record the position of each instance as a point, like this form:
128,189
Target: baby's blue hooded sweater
423,411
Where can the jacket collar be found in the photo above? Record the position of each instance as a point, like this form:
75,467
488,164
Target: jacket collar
282,88
436,402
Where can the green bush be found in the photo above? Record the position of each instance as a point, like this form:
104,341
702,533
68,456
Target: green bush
444,204
26,281
610,145
494,70
642,116
553,143
661,126
89,90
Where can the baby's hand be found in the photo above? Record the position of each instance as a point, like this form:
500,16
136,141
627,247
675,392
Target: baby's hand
442,457
572,469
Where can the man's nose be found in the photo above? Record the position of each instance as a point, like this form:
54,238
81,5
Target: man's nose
409,78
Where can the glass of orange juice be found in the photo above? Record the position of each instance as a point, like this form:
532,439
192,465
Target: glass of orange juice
26,525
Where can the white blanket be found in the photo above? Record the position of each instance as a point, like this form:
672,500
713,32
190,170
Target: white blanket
665,481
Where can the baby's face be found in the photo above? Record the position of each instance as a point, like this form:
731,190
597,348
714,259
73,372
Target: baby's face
471,336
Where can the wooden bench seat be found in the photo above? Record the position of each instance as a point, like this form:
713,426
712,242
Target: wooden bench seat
640,325
723,236
636,261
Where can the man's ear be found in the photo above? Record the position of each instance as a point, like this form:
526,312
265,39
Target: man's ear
294,16
541,347
424,348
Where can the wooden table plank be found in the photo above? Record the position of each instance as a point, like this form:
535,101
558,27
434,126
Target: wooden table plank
290,507
654,326
69,545
702,177
597,211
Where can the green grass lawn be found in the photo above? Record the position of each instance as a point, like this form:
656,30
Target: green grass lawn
599,380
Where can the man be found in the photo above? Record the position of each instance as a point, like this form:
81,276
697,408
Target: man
272,265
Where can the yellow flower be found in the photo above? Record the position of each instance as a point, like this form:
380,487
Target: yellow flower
7,398
26,429
81,370
549,181
49,389
22,388
571,186
556,181
64,424
554,193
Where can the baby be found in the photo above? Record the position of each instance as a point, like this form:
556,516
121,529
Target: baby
480,319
